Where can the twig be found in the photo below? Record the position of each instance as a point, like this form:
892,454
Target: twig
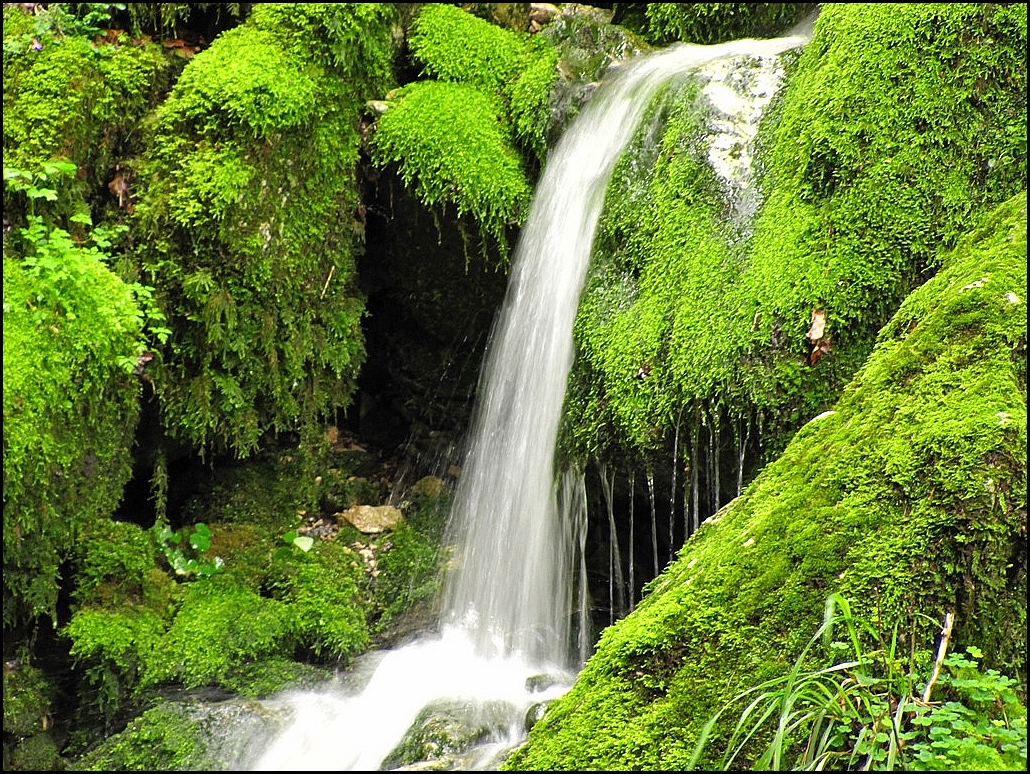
326,286
942,648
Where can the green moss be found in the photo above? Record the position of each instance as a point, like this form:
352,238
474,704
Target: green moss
113,648
77,100
69,415
465,135
906,499
34,753
113,563
453,45
251,222
423,132
323,589
872,160
220,624
167,737
707,23
28,697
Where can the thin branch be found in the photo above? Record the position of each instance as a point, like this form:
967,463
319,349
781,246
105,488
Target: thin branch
942,649
326,286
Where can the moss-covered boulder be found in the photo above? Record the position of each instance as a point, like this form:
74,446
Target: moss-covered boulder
249,221
72,330
909,499
192,734
894,129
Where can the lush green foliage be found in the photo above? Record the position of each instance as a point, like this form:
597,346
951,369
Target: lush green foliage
250,217
456,136
74,333
167,737
873,159
452,151
925,451
875,710
28,711
181,562
150,612
323,588
717,22
77,101
452,45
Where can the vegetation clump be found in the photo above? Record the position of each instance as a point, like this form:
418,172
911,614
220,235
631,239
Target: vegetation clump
461,136
249,218
905,498
732,332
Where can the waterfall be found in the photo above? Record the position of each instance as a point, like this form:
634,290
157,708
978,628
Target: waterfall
516,529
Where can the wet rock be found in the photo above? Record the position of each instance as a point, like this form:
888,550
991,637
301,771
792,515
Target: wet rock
446,732
372,519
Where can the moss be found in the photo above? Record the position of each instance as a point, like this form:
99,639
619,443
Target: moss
113,648
251,222
28,698
461,136
707,23
422,131
219,625
164,738
453,45
872,159
76,100
113,563
323,589
908,499
69,414
34,753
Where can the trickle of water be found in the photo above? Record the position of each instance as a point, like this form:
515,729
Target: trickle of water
515,528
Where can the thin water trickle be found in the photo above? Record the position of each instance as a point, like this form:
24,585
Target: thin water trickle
512,610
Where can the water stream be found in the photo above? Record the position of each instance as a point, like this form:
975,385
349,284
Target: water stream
513,631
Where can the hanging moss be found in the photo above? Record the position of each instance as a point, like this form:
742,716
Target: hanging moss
453,45
462,136
909,499
897,127
707,23
250,214
424,131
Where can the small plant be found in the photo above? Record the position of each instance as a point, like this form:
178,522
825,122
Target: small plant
292,539
199,540
874,711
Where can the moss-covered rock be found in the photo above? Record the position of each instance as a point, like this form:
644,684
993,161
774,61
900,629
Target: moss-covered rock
70,410
909,498
729,332
188,735
29,695
707,23
69,96
467,134
249,221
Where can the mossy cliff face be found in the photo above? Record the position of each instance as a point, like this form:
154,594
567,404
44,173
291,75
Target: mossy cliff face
896,127
249,221
910,498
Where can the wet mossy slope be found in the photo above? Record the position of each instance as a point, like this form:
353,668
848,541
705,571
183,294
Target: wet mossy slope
896,128
910,498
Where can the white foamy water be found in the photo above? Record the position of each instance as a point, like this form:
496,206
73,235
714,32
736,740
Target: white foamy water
509,613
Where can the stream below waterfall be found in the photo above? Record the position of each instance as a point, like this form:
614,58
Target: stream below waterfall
514,630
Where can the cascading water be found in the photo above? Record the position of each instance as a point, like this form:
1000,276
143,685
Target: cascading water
511,613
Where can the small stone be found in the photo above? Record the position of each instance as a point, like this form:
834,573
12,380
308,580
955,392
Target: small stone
372,519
